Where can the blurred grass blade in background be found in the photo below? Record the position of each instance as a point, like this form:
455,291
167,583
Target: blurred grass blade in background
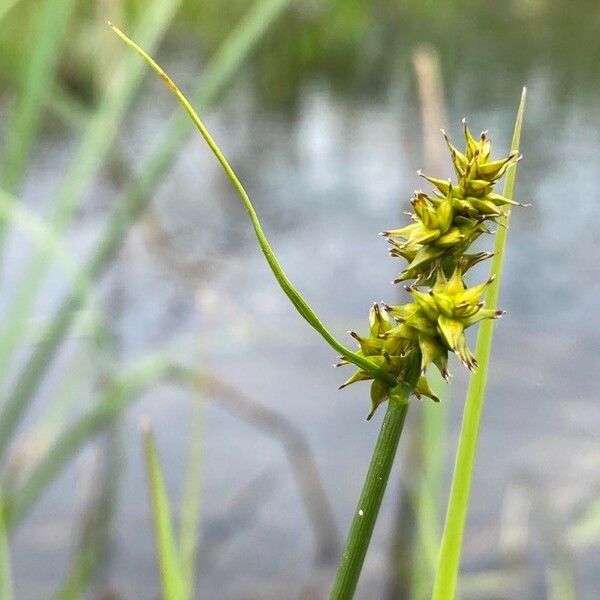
119,394
6,6
14,212
166,554
428,498
122,392
458,504
295,446
45,41
220,71
6,586
95,143
97,524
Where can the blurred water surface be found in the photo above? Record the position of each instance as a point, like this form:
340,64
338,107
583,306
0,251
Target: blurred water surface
328,168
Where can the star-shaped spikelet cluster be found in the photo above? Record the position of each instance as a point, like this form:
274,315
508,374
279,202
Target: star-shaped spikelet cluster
435,246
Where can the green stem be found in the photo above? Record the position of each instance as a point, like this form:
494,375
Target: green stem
460,491
286,285
374,486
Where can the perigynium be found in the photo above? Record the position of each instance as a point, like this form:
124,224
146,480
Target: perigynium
435,245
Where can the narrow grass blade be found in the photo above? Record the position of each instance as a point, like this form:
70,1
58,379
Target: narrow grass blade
6,586
49,30
166,553
220,70
458,505
66,399
191,500
286,285
93,147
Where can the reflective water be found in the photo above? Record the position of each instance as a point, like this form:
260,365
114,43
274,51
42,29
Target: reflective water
326,175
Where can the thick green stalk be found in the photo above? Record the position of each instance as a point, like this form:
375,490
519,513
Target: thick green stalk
221,69
458,505
374,486
369,503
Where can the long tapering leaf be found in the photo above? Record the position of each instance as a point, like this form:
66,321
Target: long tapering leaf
458,504
166,554
286,285
220,70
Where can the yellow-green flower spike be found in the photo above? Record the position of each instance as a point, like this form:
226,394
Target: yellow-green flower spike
433,324
442,249
435,246
439,317
477,174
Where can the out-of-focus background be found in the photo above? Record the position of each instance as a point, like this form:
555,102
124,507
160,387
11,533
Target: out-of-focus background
131,286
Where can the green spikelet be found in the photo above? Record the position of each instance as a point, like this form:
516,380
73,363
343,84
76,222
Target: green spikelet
435,245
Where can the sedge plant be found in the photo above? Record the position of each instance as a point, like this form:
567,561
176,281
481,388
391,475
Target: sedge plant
404,340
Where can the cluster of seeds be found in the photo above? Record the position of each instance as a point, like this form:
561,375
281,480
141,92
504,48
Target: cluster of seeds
435,246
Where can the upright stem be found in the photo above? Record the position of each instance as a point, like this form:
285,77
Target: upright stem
446,579
369,503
